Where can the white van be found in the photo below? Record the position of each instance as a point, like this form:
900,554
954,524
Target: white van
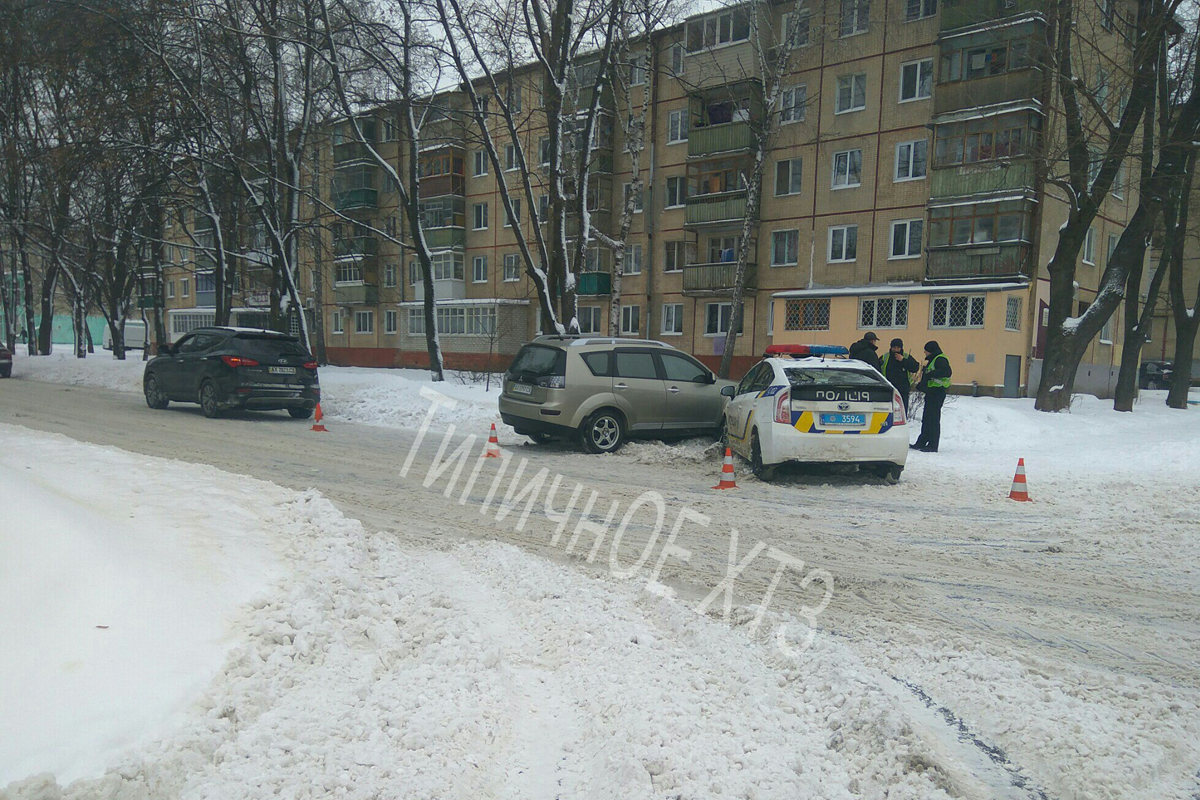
135,335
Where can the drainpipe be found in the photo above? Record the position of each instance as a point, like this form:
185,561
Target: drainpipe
652,87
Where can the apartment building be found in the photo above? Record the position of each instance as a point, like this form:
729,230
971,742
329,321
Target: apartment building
905,192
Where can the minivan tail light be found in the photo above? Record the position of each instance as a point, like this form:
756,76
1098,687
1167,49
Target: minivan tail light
899,417
310,365
552,381
238,361
783,407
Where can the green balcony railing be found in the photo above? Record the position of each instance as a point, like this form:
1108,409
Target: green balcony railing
716,277
351,151
726,138
706,209
594,283
356,198
978,261
443,238
1025,84
361,246
355,294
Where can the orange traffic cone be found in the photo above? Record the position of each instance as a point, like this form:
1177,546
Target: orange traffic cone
1018,491
493,446
727,481
318,424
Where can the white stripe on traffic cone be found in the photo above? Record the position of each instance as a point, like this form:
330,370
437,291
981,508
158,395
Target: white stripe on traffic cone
493,445
727,481
1019,490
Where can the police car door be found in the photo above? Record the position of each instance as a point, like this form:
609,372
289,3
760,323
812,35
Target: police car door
737,412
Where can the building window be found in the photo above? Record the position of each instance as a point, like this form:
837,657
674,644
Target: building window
855,16
589,319
717,317
631,320
185,287
793,104
676,192
481,163
1113,238
975,224
847,169
543,210
514,98
336,322
391,225
389,275
771,318
916,80
637,198
170,290
677,126
677,59
808,314
479,216
510,157
390,321
981,140
479,269
785,248
906,238
637,69
673,257
516,214
1108,11
788,176
851,93
795,29
445,266
725,28
1089,247
633,260
912,163
1012,314
416,322
957,311
919,9
364,321
843,243
883,312
512,267
544,151
1106,330
984,60
672,319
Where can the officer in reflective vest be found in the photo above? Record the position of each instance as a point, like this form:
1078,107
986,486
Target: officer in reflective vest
935,380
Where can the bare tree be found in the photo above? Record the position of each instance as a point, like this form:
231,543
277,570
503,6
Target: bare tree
1187,321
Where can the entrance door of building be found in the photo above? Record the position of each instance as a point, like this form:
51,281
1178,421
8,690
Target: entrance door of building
1012,376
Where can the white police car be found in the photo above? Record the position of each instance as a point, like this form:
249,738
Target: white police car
804,404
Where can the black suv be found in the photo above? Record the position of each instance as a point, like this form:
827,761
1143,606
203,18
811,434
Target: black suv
224,368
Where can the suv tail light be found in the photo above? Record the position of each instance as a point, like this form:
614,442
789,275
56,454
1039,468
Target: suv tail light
310,365
552,381
898,415
783,407
238,361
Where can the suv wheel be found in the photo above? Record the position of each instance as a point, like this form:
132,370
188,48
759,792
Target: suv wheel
154,396
603,432
208,400
757,467
300,413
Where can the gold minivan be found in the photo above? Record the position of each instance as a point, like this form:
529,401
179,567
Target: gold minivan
602,391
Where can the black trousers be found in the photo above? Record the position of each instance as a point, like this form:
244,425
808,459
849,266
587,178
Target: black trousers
931,419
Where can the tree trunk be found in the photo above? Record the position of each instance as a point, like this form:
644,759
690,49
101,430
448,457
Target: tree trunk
27,274
1181,377
46,323
1127,384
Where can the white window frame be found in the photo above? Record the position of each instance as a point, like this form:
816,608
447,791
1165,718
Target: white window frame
639,201
917,65
516,207
845,238
633,260
678,54
1089,246
185,287
476,263
860,25
672,313
923,10
681,260
771,317
795,165
629,314
336,323
389,275
947,298
511,162
783,234
1113,240
849,154
589,312
512,260
391,322
907,223
837,97
793,104
910,161
637,68
359,316
476,215
786,22
1106,330
170,290
481,163
875,321
680,194
719,332
1009,315
677,126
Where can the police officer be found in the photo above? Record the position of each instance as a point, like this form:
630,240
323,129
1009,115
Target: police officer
864,350
896,366
935,380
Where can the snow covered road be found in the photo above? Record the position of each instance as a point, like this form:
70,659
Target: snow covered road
1062,633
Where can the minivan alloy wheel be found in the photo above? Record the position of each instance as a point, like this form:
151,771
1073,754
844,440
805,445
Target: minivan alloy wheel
208,400
603,433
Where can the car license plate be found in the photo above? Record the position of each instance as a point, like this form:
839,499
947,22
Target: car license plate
843,419
521,388
281,370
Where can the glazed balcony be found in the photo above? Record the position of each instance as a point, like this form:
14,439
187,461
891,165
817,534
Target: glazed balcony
355,294
350,199
350,152
716,278
447,238
443,289
356,247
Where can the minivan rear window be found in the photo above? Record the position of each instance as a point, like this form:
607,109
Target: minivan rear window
260,347
538,361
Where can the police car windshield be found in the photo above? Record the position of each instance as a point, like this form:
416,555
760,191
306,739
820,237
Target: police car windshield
800,376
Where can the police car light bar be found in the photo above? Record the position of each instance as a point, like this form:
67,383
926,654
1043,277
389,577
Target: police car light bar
806,350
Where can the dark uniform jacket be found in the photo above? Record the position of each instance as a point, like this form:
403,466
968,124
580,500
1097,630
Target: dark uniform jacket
863,351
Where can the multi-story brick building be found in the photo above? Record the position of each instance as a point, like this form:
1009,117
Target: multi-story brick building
905,192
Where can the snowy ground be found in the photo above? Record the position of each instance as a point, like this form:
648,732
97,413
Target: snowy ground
1064,633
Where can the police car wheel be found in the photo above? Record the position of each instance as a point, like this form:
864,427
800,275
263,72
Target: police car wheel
891,474
757,467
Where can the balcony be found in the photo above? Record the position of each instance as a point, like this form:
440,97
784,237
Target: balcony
716,278
206,299
452,237
355,247
961,13
1008,87
985,177
350,199
594,284
714,139
712,209
444,289
441,185
349,152
355,294
979,261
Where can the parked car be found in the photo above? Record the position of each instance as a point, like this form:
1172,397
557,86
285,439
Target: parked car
227,368
603,391
135,335
5,362
805,405
1156,374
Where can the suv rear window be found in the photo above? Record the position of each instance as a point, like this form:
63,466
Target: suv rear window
260,347
538,361
799,376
